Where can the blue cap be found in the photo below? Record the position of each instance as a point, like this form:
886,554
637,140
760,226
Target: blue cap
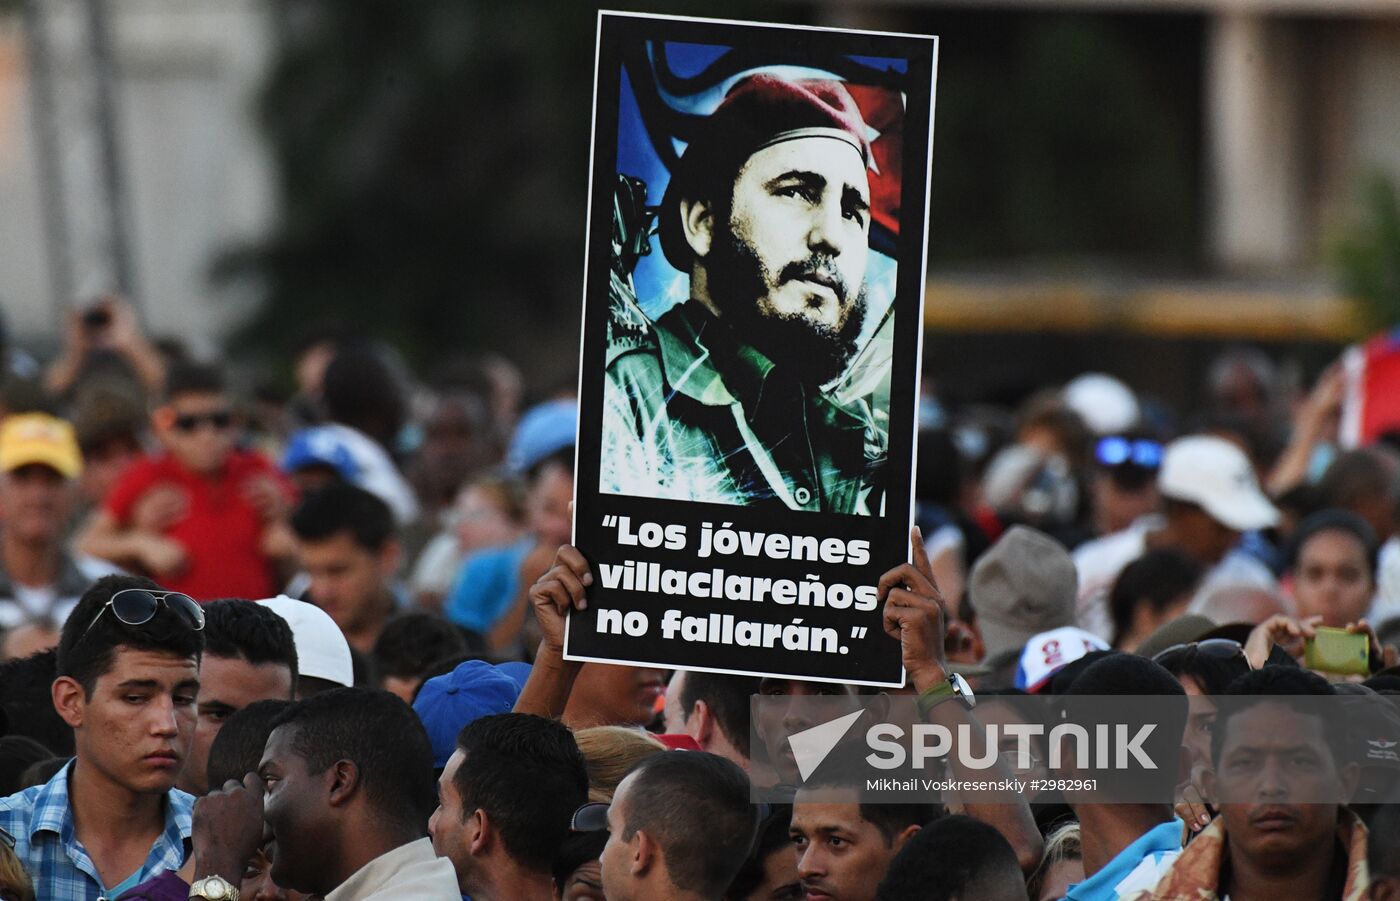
447,703
318,446
518,671
544,429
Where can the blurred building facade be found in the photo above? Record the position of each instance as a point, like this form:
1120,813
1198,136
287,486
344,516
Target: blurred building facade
1295,107
1275,110
1298,104
185,175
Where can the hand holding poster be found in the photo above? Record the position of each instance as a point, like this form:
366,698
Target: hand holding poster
751,336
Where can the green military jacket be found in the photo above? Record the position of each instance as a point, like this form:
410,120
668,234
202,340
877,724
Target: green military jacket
693,413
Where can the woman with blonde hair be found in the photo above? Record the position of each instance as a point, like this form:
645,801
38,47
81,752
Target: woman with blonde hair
14,881
609,752
1061,865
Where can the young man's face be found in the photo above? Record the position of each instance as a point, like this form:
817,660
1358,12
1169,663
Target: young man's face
1200,722
105,463
446,826
675,713
198,429
348,581
294,806
1275,761
35,501
136,726
257,883
615,863
547,505
775,721
482,521
789,264
780,879
227,685
611,695
841,856
1332,578
585,883
1206,539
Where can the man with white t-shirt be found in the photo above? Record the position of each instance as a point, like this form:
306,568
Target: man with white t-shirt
40,581
1210,497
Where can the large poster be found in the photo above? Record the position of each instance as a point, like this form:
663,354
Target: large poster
751,336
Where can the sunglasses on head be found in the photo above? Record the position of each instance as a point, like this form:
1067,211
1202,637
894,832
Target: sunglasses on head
1116,450
137,606
189,422
1222,649
591,817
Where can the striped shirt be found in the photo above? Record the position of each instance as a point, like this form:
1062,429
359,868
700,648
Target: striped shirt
41,820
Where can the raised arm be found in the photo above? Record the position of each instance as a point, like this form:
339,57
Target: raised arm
559,590
914,613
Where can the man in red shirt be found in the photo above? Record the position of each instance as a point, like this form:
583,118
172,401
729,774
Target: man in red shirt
204,517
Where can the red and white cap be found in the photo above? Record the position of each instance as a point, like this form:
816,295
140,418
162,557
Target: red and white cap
1047,653
759,111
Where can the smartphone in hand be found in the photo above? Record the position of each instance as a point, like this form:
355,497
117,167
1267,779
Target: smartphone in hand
1339,652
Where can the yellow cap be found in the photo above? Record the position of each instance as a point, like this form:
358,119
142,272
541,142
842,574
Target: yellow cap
27,438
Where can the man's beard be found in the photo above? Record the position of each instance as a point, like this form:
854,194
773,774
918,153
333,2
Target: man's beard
813,352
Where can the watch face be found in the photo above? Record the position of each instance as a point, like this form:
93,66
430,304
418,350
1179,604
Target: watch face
213,889
964,691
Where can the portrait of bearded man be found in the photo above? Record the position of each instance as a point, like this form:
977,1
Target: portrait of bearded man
730,396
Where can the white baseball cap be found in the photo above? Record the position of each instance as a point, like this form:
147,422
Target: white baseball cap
322,651
1104,403
1215,475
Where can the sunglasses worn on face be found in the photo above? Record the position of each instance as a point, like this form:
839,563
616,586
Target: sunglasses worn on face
137,606
189,422
1119,451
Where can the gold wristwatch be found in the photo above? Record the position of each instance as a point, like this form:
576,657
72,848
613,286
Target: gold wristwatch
214,888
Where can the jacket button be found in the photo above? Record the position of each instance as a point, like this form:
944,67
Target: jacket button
803,495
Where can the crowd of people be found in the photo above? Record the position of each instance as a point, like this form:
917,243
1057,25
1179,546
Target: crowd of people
278,645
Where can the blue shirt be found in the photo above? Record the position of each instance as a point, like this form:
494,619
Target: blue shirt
486,585
41,820
1136,867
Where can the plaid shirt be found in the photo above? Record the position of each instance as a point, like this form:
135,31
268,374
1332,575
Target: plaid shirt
41,821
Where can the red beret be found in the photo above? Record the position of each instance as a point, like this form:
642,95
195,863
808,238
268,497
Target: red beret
759,111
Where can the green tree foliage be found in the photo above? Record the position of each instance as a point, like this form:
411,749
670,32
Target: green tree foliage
432,160
1063,135
1367,256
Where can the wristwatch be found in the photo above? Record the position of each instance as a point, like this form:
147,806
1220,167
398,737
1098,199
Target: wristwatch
955,687
214,888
